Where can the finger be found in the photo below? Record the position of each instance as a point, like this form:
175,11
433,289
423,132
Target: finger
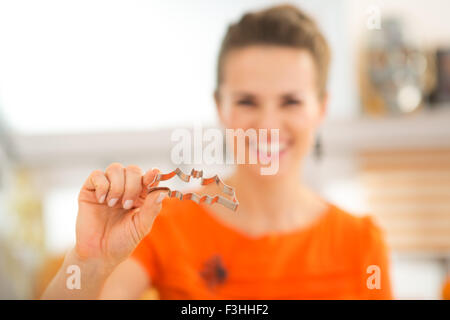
133,186
147,180
98,183
116,176
149,177
150,209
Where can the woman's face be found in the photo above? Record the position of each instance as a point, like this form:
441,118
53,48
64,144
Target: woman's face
272,87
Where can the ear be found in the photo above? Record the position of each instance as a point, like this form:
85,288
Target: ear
219,106
323,104
216,98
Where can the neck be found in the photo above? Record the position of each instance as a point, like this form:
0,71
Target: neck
266,195
272,204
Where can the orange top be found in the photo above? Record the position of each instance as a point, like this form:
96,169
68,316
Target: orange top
190,254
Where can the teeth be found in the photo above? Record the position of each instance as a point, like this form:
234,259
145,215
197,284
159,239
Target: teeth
270,147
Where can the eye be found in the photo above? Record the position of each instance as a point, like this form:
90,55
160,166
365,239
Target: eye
246,102
288,102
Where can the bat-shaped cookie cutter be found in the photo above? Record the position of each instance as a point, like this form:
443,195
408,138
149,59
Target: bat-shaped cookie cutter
230,204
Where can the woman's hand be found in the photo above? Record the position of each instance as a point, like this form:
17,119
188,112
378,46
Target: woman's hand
115,213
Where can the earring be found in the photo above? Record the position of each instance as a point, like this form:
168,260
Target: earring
318,148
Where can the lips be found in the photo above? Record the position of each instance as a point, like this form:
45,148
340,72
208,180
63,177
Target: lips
266,151
271,147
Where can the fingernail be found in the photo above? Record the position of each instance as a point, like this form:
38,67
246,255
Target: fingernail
160,198
112,202
128,204
102,199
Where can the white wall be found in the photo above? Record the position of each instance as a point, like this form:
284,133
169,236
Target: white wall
94,65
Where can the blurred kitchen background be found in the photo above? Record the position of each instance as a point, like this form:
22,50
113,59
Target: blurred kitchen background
88,82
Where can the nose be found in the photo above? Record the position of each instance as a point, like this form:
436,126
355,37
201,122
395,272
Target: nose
269,118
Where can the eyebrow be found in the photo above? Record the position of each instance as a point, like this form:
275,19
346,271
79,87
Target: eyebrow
293,93
241,94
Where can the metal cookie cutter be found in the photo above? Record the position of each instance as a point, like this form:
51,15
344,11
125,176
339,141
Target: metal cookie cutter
230,204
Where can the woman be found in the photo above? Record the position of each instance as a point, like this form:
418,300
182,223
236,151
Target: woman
284,242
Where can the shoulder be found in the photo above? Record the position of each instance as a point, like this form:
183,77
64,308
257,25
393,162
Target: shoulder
362,230
358,243
352,221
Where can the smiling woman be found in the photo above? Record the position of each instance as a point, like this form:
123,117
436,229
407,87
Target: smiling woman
284,242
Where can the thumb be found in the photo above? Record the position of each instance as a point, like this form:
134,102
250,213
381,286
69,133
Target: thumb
151,207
